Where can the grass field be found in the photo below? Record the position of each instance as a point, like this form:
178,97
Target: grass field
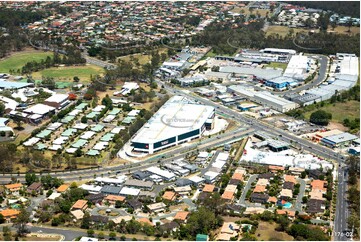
344,30
284,30
349,109
277,65
19,59
266,231
67,73
245,11
143,59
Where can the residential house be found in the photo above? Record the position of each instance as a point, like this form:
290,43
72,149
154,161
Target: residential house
290,214
288,185
259,197
80,204
135,204
35,187
181,216
145,221
99,219
157,207
13,188
228,231
286,194
112,199
9,214
95,198
208,188
77,214
63,188
169,195
315,206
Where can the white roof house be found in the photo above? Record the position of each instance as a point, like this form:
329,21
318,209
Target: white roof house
162,173
57,98
9,103
40,109
129,191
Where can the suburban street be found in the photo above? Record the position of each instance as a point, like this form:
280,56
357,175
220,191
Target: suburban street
251,179
342,207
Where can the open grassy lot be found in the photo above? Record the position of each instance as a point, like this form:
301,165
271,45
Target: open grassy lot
349,109
67,73
143,58
266,231
19,59
245,11
277,65
284,30
344,30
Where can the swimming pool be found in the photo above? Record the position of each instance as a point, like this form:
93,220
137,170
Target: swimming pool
287,205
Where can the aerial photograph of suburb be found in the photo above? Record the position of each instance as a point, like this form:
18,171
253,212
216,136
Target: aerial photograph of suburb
179,120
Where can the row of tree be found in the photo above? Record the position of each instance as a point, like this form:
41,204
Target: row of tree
226,39
73,57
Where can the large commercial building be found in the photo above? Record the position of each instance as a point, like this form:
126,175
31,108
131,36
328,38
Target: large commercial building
177,121
345,77
298,67
264,98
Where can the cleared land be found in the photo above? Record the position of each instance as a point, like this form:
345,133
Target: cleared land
344,30
142,58
284,30
266,231
247,12
67,73
349,109
17,60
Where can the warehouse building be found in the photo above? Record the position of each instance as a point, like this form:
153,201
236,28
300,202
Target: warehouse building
57,101
177,121
298,67
259,73
345,77
338,140
281,83
264,98
274,102
278,51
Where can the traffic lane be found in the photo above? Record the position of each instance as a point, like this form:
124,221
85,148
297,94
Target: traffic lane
257,125
69,235
89,174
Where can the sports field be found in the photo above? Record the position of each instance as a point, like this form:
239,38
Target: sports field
67,73
18,60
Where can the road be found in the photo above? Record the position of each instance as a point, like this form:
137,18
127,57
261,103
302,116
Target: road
341,206
214,157
170,155
251,179
298,205
323,60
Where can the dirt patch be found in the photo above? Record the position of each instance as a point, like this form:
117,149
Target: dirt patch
334,125
266,231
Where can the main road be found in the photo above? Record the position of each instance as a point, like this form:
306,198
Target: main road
168,156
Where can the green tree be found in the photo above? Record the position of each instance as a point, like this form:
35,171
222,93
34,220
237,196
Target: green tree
30,178
90,232
320,117
112,235
21,221
2,109
85,224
